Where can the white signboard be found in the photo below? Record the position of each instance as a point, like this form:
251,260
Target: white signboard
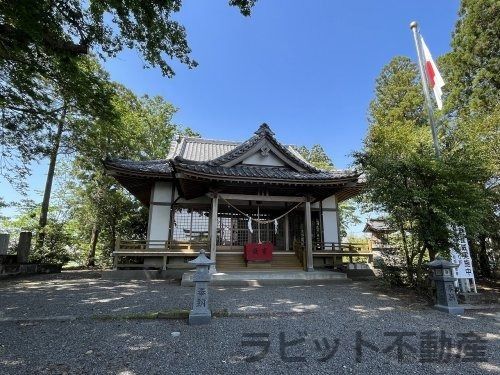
462,256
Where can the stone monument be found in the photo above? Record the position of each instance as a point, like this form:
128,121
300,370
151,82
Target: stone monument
442,275
4,243
23,247
201,314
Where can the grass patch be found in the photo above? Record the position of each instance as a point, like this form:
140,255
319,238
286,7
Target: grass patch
223,313
168,314
173,314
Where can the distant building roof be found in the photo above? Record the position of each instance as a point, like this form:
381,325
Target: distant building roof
379,225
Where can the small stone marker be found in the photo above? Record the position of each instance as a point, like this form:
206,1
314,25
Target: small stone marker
23,247
442,274
4,243
201,314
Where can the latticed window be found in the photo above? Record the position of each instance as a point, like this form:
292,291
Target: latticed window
316,226
297,226
190,225
232,229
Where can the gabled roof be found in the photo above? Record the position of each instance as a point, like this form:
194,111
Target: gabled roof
263,134
219,153
196,164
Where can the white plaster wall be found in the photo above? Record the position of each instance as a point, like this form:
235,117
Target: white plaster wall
269,160
330,220
159,211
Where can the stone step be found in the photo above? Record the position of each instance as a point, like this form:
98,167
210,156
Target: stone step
268,277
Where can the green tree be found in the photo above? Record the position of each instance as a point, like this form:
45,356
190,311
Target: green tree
317,156
472,104
472,67
66,128
45,47
102,209
423,195
72,28
34,115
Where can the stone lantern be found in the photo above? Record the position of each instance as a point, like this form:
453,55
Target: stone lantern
201,314
442,275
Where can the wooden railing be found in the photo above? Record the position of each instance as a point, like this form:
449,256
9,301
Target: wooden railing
151,246
341,247
338,250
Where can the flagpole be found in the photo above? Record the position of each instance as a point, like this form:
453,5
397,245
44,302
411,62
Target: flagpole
425,86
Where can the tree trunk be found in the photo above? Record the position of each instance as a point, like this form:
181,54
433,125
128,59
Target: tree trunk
432,252
408,258
113,236
93,244
484,262
50,178
418,276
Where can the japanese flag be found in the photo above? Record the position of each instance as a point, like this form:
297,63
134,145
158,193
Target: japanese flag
433,76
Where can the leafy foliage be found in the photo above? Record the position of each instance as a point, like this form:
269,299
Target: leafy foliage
48,53
317,156
472,68
424,196
55,249
101,208
32,105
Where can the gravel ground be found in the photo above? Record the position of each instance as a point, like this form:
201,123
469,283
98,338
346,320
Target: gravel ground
311,328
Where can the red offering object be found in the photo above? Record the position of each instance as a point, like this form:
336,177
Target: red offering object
259,251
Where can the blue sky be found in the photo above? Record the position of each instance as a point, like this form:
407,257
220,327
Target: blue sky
307,68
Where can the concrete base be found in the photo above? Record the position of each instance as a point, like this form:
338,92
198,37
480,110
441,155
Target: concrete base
361,274
169,274
199,319
131,275
257,278
454,310
15,269
478,298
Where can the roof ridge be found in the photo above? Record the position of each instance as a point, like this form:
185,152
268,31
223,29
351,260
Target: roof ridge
210,140
264,132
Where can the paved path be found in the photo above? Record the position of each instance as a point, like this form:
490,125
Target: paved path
313,329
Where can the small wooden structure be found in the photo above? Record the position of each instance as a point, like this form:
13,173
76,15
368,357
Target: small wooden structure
206,191
378,230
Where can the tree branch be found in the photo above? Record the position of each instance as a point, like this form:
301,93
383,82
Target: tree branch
17,36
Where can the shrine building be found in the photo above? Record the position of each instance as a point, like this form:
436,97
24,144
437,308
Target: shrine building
253,204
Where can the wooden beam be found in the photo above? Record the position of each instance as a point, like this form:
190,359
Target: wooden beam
309,249
213,230
287,233
266,198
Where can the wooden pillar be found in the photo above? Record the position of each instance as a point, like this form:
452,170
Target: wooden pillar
213,230
308,226
287,233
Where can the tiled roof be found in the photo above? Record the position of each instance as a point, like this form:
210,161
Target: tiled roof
198,149
377,225
264,132
156,167
253,171
217,152
221,159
